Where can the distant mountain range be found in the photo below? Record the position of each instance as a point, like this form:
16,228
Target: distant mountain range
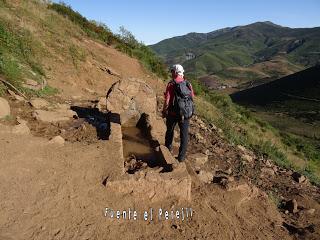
240,56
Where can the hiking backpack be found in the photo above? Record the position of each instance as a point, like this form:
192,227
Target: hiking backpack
183,101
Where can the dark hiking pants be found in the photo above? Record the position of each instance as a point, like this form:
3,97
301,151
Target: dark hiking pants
171,122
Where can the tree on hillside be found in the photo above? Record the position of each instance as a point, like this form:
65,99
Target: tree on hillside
128,37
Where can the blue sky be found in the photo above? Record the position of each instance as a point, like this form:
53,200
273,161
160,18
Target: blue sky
153,21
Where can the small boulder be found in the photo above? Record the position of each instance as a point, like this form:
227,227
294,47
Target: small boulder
267,171
205,176
21,129
291,206
268,163
247,158
21,121
31,84
57,140
212,126
208,153
4,108
199,138
199,158
242,148
53,116
310,211
299,178
38,103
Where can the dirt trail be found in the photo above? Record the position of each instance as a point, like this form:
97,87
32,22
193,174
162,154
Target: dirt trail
54,192
60,192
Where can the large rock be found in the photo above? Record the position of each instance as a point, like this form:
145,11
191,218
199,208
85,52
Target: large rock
131,98
4,108
38,103
53,116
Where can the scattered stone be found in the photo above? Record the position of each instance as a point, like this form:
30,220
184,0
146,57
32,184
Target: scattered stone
199,158
21,121
275,169
267,171
288,172
208,153
221,179
4,108
299,178
205,176
38,103
21,129
57,140
268,163
212,126
310,211
291,206
247,158
31,84
228,171
242,148
199,138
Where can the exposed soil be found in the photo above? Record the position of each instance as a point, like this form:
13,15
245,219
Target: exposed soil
64,188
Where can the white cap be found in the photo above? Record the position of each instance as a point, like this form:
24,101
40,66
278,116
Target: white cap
178,69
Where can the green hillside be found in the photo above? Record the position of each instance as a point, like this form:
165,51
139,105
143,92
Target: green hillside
243,46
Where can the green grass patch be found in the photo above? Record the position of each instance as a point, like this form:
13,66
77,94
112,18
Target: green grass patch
77,54
18,55
46,91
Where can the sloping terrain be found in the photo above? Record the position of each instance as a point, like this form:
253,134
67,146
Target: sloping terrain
304,85
58,156
292,105
216,52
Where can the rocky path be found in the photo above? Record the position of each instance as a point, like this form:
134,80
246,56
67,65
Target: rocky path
55,168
